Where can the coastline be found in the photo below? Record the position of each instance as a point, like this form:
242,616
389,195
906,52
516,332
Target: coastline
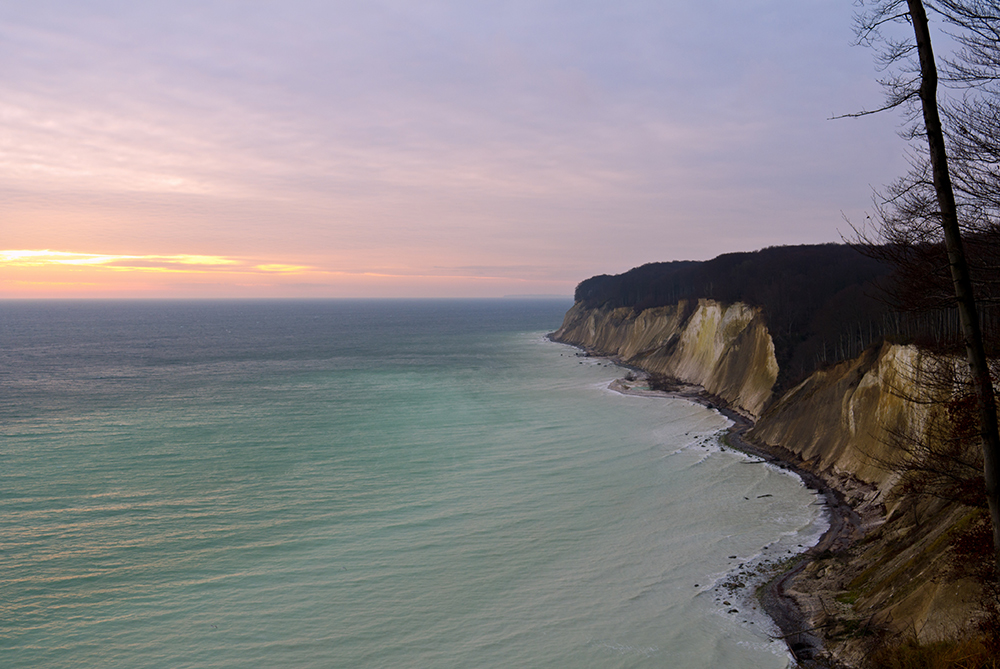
775,595
905,562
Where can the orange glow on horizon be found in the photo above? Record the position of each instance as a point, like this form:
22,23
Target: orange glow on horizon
48,273
32,258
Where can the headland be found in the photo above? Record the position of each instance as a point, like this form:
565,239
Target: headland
889,569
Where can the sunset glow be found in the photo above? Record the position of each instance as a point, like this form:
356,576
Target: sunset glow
39,273
117,262
413,149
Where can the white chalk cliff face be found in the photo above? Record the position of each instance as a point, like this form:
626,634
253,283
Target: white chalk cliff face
726,349
839,419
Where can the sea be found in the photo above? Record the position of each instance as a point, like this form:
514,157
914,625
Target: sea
367,483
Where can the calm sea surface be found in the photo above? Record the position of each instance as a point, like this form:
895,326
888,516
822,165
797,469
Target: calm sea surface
363,484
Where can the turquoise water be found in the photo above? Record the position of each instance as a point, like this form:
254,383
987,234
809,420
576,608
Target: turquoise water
363,484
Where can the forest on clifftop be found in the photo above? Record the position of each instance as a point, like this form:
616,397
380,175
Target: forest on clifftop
822,303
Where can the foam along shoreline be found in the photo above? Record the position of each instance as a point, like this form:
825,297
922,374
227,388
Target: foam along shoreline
774,596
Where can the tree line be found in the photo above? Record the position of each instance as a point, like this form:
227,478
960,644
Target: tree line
822,303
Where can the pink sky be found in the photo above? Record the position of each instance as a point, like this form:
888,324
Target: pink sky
432,148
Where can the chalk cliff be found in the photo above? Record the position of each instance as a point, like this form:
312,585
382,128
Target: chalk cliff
724,348
895,574
854,424
841,419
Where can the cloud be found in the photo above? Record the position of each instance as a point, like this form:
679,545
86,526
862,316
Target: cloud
185,263
200,264
396,137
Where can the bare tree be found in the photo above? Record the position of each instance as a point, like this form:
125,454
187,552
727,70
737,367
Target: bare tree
928,195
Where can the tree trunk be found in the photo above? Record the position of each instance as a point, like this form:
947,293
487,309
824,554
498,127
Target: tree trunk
976,352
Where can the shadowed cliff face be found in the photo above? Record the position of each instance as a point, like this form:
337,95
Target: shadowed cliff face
842,418
725,349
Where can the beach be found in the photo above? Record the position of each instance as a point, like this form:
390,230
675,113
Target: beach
778,599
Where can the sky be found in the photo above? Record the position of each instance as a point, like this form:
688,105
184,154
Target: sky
421,148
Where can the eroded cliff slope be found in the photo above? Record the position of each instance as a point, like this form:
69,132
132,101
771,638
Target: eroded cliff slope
843,419
863,426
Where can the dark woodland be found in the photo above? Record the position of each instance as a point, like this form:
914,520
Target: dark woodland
822,303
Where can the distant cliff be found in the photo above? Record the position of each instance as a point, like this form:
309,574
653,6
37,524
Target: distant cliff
725,349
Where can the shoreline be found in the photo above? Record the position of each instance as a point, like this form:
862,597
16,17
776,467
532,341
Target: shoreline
775,596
